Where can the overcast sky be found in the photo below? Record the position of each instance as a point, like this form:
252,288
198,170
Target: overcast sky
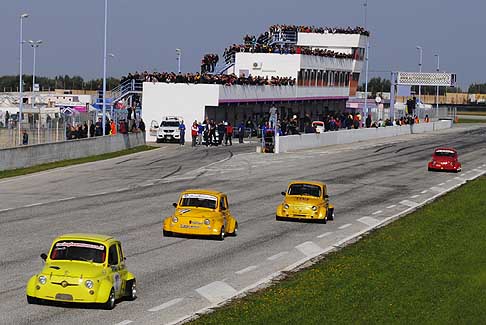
143,34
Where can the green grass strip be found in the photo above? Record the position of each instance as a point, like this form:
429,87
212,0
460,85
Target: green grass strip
64,163
426,268
463,120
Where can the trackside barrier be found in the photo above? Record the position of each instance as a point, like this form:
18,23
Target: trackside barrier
314,140
27,156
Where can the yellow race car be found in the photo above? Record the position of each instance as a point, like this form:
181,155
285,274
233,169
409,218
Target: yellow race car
306,201
83,268
201,212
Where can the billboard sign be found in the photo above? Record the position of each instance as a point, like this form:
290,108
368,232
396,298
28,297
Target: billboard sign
426,79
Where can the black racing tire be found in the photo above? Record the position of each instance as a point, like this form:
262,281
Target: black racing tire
167,233
330,217
430,169
221,235
32,300
131,290
235,232
110,303
158,140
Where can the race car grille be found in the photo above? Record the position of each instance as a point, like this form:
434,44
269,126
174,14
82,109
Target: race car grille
63,296
65,284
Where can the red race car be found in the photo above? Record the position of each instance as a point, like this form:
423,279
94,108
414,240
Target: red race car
445,159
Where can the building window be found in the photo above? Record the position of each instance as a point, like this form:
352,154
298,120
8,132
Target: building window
325,78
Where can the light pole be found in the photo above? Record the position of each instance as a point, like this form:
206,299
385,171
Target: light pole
366,58
179,54
111,55
35,45
104,70
437,93
420,70
21,42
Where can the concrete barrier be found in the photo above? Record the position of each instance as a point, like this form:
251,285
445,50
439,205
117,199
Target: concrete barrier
314,140
27,156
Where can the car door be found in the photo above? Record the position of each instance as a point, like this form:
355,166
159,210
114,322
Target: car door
224,211
122,269
114,265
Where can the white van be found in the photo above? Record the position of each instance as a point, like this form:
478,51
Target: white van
169,129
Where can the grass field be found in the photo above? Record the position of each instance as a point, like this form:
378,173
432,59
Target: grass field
64,163
426,268
464,120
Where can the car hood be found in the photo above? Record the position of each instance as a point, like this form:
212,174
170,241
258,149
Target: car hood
196,213
302,200
73,269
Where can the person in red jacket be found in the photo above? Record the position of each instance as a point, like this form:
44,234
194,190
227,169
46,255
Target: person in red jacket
229,134
194,129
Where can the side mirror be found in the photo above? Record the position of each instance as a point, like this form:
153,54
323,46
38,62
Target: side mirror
223,208
174,205
43,256
283,193
326,196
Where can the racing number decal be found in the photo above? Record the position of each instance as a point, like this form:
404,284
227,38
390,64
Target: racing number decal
117,281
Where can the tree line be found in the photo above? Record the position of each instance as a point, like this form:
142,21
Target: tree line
378,85
11,83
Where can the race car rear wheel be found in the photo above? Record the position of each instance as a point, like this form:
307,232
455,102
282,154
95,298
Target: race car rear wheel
110,303
131,290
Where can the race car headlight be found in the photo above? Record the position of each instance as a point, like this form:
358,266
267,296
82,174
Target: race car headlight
314,208
88,284
207,222
286,206
175,219
42,279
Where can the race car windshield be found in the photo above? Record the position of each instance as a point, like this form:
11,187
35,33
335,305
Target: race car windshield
199,201
73,250
305,189
170,123
444,153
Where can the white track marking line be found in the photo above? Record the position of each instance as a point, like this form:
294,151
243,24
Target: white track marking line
438,189
345,226
32,205
277,256
247,269
125,322
217,291
167,304
369,221
458,178
424,191
325,234
441,184
5,210
449,180
414,196
308,248
391,206
122,189
377,212
409,203
66,199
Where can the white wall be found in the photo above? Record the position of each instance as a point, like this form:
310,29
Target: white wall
314,140
186,100
268,64
331,41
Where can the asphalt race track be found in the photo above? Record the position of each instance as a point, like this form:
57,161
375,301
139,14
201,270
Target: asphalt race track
127,197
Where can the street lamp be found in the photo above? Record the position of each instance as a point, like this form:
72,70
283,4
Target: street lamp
420,69
437,94
366,58
104,70
21,42
35,45
179,53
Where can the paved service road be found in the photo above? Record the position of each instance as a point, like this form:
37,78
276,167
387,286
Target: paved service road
128,196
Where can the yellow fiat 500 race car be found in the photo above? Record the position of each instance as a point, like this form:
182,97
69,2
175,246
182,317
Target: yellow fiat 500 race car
201,212
306,201
83,268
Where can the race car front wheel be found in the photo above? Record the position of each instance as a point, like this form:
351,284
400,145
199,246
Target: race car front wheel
110,303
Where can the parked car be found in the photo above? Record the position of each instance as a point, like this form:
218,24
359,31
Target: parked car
445,159
306,201
201,212
83,268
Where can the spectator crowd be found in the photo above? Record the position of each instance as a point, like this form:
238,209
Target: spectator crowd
209,62
88,129
320,30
